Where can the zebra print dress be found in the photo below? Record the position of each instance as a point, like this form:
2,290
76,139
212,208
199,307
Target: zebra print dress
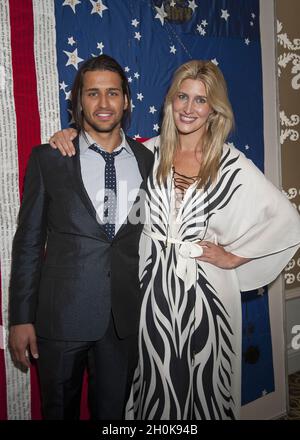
190,326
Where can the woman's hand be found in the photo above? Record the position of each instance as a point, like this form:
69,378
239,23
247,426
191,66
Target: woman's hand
216,255
63,141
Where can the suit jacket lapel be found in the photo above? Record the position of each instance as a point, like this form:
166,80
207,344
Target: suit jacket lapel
73,165
138,152
140,158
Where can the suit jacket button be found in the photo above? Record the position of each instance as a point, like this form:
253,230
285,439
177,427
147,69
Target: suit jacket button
108,274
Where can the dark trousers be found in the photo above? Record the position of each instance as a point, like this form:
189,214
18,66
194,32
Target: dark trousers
111,362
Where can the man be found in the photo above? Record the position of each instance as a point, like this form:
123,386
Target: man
74,283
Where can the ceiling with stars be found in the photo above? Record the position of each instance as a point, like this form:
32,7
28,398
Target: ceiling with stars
151,38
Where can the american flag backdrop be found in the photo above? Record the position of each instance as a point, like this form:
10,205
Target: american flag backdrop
44,42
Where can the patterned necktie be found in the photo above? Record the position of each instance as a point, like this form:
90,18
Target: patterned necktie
110,192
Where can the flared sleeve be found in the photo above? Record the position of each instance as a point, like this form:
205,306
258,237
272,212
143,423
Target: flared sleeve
263,226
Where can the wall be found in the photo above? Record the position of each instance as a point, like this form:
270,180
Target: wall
272,405
288,63
288,57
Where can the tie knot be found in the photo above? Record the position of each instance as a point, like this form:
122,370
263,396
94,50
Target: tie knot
108,157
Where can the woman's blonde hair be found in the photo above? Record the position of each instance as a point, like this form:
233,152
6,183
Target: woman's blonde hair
218,126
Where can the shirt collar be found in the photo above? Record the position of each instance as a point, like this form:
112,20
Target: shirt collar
85,140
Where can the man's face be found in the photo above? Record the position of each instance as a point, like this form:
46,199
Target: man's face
103,102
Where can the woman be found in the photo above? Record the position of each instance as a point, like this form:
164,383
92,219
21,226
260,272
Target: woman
214,226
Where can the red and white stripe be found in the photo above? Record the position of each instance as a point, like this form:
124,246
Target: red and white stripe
16,383
29,113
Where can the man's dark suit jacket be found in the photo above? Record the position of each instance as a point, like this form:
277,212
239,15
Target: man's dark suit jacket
66,275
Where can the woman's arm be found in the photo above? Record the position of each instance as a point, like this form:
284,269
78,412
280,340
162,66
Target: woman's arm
215,254
62,140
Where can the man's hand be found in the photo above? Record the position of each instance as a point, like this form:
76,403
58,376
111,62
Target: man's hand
216,255
63,141
21,339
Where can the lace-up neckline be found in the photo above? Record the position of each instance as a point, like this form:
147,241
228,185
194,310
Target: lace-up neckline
181,183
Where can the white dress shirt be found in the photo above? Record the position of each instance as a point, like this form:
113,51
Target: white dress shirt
128,177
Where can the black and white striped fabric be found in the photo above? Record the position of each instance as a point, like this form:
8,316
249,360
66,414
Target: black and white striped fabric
190,329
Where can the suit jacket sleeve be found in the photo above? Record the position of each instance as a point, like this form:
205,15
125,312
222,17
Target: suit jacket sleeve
28,246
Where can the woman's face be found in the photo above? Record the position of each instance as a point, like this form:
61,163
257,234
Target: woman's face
190,107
